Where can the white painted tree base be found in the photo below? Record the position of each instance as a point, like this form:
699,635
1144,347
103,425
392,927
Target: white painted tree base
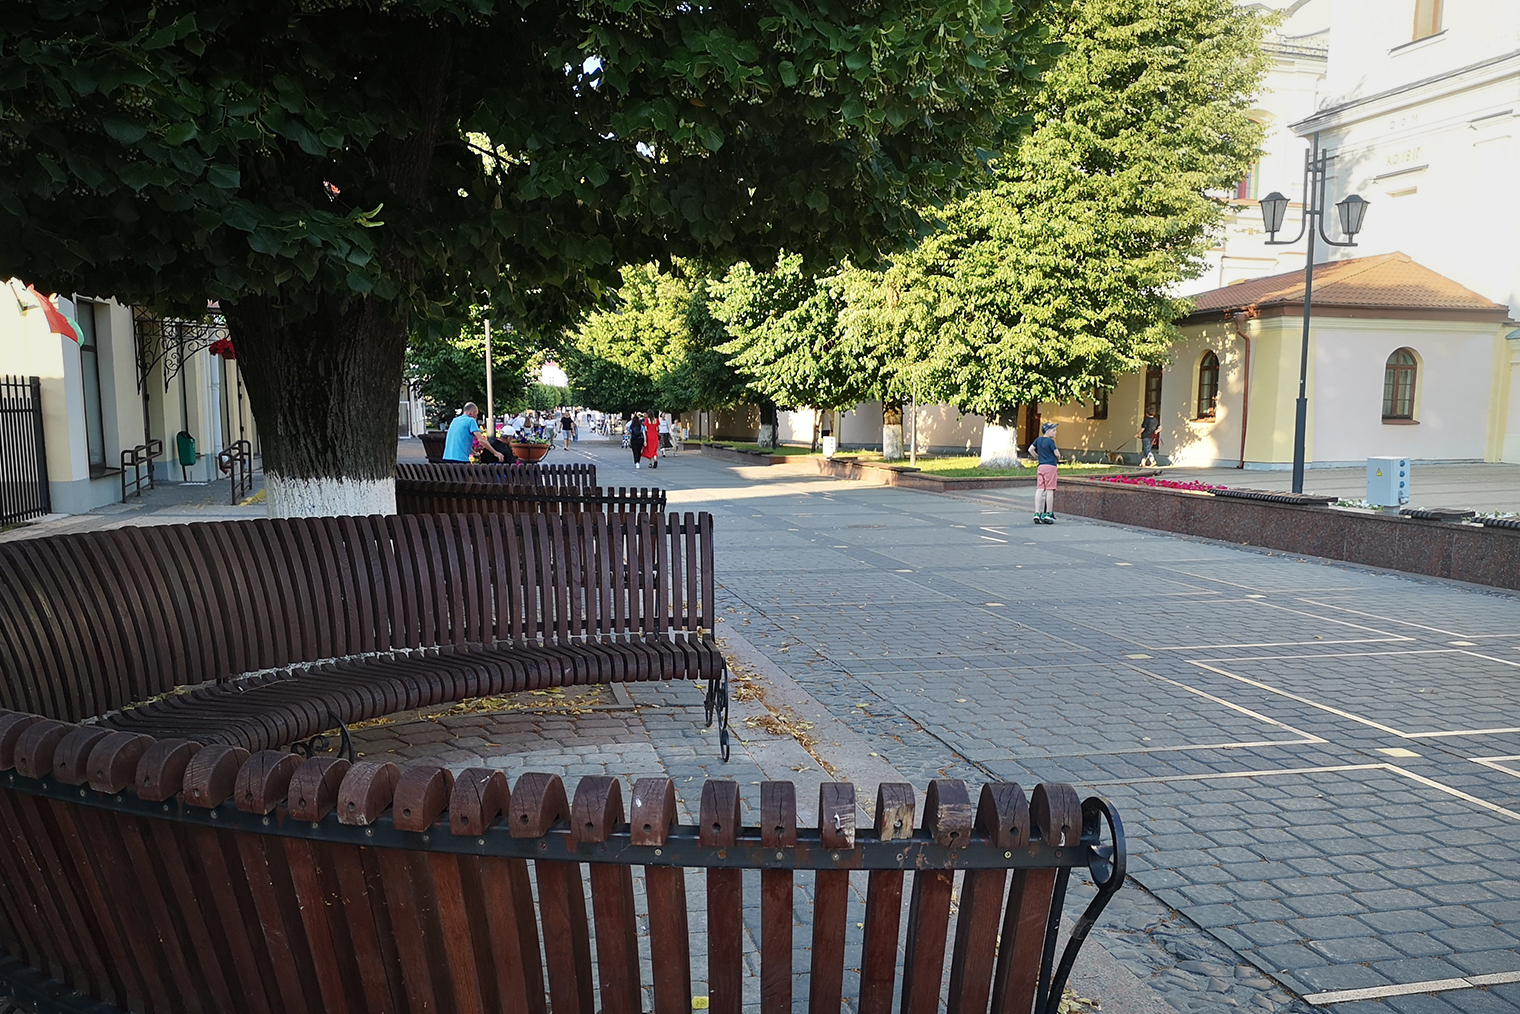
1000,446
305,498
767,436
892,443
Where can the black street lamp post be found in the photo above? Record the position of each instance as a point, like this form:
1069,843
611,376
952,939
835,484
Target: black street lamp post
1273,209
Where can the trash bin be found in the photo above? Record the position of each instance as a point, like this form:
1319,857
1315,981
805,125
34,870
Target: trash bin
184,444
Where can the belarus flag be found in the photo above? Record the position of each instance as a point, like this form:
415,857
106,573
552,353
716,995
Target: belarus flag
57,322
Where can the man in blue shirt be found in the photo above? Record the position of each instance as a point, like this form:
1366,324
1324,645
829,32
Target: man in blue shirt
460,442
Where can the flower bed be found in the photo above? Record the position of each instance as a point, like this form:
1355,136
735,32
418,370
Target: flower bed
1191,485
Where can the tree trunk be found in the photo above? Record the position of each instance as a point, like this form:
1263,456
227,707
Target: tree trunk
892,430
1000,440
769,422
324,391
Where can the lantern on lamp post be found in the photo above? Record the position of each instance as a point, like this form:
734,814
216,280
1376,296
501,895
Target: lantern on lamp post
1274,208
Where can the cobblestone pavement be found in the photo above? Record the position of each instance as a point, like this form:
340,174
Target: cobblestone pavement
1316,763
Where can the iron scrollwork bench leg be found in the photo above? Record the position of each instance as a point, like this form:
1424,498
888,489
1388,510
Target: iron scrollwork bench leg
1106,865
716,706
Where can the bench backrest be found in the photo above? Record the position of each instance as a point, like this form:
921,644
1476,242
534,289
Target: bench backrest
413,497
316,886
94,621
518,473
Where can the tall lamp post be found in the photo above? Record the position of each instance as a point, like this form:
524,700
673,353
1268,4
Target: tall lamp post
1273,208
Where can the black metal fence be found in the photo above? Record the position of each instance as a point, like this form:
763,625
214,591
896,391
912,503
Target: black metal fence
23,454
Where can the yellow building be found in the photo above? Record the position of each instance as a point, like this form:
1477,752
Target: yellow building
1402,361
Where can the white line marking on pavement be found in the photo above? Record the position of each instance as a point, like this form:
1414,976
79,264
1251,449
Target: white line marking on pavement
1242,774
1495,763
1307,737
1275,644
1411,988
1271,772
1331,654
1348,715
1385,619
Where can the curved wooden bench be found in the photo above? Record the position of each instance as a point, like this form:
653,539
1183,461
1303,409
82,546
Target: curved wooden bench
180,878
265,633
516,473
432,497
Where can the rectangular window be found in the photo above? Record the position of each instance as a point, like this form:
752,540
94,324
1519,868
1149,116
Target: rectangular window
1427,18
1153,391
89,368
1100,406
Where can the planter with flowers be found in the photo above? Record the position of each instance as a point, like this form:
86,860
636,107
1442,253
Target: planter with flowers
531,449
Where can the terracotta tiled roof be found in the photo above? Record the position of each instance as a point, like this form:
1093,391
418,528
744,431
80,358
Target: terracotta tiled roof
1391,281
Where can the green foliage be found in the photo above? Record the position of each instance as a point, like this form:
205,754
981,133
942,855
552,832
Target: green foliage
702,379
397,155
1048,283
616,359
547,397
788,340
448,365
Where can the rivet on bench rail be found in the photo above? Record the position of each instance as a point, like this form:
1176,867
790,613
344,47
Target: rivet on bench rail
480,841
426,838
315,826
213,814
659,852
166,807
1007,855
265,821
369,832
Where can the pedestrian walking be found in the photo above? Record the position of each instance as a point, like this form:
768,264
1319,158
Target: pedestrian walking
566,427
1048,456
636,438
665,442
1150,437
652,439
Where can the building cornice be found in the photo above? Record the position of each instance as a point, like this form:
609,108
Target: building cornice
1463,78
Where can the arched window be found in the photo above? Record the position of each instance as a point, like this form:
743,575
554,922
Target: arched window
1208,385
1398,385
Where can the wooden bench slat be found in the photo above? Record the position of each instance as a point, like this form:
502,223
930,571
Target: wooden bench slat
597,809
895,805
778,830
719,828
831,899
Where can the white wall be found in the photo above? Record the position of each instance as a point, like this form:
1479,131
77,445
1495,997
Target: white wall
1427,133
1372,48
1452,391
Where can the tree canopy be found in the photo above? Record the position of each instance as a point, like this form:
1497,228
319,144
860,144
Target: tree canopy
788,340
329,170
618,358
1059,275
